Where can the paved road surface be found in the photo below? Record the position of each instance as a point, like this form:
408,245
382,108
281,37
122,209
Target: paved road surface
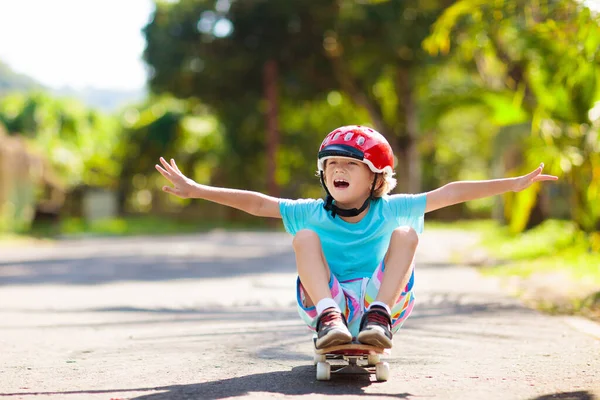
213,316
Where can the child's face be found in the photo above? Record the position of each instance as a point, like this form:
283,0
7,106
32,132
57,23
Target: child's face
349,181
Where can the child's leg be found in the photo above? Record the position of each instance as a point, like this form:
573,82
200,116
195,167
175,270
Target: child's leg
312,267
376,324
398,265
314,277
404,305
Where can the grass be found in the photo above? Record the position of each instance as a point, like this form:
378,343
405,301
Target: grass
555,252
552,246
143,225
126,226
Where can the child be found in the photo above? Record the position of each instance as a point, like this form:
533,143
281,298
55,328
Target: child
355,250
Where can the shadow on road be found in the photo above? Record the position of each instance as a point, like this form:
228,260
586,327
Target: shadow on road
199,316
106,260
581,395
106,268
438,305
298,381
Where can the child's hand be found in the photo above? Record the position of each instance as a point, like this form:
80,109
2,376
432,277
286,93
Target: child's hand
183,185
523,182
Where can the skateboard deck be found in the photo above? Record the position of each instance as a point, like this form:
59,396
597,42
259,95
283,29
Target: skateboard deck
352,358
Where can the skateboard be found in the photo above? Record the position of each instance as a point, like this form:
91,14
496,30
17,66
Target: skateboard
352,358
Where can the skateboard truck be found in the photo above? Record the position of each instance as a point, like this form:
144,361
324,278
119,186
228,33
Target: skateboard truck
355,358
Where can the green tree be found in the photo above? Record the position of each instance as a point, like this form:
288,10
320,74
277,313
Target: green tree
538,85
78,141
376,53
55,145
371,52
164,126
239,58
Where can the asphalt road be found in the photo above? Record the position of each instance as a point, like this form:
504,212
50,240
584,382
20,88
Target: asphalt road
213,316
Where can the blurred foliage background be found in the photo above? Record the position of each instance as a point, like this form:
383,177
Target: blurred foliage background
241,93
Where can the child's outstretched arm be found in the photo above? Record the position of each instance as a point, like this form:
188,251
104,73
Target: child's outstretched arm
251,202
461,191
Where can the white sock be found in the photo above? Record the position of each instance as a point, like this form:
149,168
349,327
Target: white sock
326,303
381,304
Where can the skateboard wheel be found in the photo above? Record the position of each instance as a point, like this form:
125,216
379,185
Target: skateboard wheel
317,358
373,359
382,371
323,371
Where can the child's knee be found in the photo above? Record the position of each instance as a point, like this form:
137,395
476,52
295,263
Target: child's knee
405,236
304,238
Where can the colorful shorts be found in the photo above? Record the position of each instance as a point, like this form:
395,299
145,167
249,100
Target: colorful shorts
354,297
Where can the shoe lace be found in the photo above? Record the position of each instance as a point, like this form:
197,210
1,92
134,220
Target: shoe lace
378,318
331,318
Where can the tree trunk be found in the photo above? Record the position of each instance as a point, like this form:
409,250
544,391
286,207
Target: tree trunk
409,163
270,77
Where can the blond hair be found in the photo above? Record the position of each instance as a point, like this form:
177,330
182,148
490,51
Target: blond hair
385,184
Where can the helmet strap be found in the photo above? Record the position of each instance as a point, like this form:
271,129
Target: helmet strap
352,212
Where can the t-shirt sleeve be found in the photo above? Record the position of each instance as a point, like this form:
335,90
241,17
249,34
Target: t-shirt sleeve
409,209
296,213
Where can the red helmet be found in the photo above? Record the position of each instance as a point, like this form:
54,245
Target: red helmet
361,143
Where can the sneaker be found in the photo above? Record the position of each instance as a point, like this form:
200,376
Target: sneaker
376,328
332,329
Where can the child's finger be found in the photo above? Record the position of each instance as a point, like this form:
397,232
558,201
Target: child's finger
546,178
166,165
162,171
534,173
174,165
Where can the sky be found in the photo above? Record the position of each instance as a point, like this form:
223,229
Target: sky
76,43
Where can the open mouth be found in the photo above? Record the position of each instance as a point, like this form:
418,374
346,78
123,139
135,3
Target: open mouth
341,183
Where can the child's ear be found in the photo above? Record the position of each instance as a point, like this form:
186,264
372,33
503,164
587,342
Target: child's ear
380,181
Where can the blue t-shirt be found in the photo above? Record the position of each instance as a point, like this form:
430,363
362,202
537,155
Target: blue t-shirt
355,250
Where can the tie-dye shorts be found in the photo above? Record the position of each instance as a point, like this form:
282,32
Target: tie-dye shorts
354,297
